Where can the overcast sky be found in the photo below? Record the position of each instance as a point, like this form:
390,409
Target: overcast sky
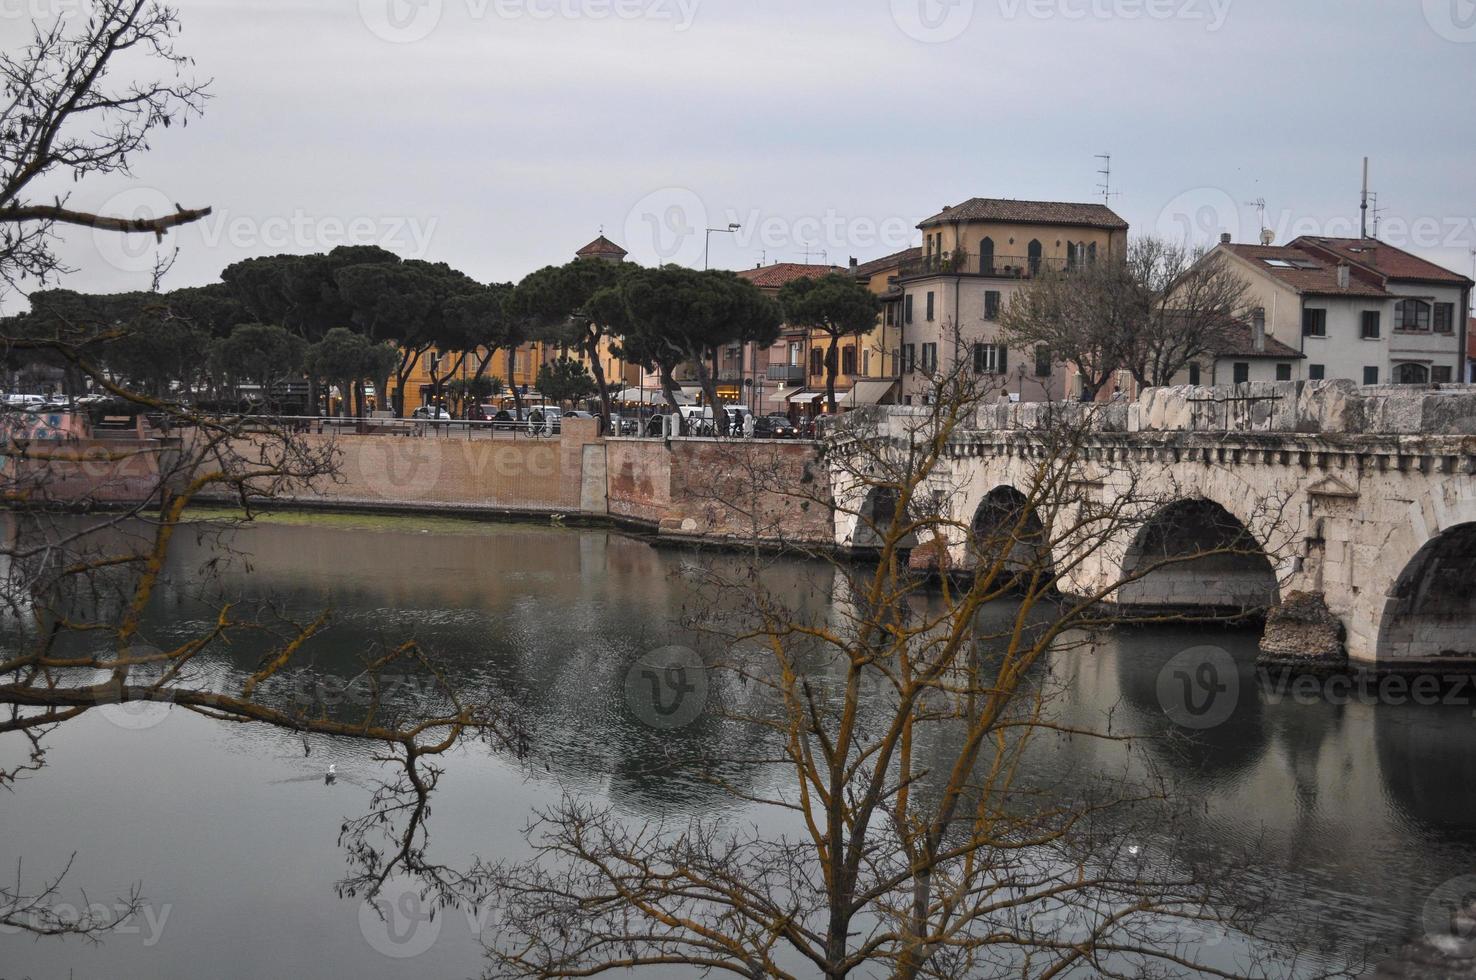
501,135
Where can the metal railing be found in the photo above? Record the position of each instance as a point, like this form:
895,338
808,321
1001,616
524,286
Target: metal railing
974,264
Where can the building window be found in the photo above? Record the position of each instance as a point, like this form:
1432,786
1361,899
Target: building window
1440,374
1444,317
907,309
866,362
1283,372
817,361
1042,362
930,358
986,257
1371,324
848,360
1194,374
1242,372
1314,323
930,307
1035,251
990,359
891,314
1370,375
909,358
1316,372
1411,374
1092,254
991,304
1412,314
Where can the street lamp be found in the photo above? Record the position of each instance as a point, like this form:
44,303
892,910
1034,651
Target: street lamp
707,244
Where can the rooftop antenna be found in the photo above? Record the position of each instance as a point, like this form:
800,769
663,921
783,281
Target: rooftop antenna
1260,205
1376,211
1105,187
1363,224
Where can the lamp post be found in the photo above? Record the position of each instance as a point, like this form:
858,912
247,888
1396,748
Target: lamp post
707,243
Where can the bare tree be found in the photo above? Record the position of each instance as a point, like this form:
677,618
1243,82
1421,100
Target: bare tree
891,727
1085,316
1189,299
65,117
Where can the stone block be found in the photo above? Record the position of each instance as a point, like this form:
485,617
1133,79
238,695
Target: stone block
1303,633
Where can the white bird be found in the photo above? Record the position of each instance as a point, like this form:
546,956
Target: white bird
332,773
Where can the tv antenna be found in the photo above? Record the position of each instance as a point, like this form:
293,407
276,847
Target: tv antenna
1260,205
1105,187
1376,211
820,252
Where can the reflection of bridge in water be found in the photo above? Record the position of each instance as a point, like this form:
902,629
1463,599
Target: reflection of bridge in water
1364,497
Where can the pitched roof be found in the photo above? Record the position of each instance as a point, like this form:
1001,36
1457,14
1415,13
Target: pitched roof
780,273
1028,213
868,269
1306,272
1238,340
1395,263
600,246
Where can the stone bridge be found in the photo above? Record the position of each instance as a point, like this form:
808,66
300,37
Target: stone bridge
1362,497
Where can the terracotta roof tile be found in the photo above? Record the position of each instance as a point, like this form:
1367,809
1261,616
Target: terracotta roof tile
1395,263
1313,274
600,246
868,269
1029,213
1237,340
780,273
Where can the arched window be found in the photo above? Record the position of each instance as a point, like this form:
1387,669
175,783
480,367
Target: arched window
1411,374
1034,256
986,257
1092,254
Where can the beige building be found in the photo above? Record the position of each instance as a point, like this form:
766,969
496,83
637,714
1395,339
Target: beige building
974,257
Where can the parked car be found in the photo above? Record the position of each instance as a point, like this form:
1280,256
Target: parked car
774,427
431,413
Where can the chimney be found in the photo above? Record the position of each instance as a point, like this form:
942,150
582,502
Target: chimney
854,263
1345,275
1258,330
1225,238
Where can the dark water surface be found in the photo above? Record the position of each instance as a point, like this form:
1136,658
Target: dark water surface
1359,812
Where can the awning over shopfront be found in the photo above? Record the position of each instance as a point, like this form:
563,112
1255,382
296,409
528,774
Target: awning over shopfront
866,393
803,396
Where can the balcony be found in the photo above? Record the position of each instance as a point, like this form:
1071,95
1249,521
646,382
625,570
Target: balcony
790,374
972,264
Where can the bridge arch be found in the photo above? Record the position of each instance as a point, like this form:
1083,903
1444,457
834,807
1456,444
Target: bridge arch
1430,609
1241,578
1005,522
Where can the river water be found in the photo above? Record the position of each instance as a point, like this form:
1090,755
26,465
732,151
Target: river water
1363,814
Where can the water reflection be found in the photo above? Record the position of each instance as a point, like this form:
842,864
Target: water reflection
1357,811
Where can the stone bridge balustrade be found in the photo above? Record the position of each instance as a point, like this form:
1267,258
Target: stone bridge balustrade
1362,499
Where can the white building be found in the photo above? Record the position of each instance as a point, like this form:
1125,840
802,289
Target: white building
1357,308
